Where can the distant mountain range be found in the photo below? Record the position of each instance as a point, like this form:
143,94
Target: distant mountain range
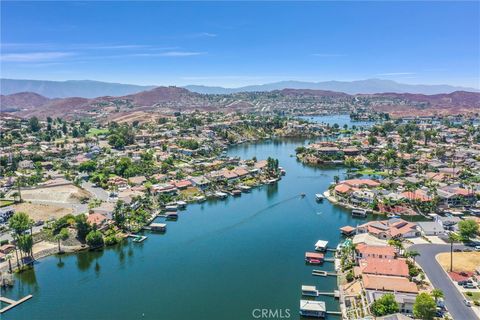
173,99
71,88
92,89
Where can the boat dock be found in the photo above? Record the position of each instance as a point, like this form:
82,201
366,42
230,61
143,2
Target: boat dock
12,303
338,313
137,238
321,273
335,294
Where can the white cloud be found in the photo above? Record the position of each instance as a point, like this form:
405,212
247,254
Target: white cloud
34,56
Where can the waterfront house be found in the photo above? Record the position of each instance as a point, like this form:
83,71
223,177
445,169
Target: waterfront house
364,251
200,182
182,184
430,228
405,303
97,219
389,284
388,229
382,267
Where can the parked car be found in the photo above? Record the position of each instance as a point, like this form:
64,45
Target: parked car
469,285
467,303
39,223
457,250
477,248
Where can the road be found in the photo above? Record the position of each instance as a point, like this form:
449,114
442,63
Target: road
440,279
99,193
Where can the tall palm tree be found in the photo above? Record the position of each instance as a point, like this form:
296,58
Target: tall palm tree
413,254
453,238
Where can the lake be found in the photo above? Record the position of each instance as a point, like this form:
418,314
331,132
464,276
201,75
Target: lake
220,260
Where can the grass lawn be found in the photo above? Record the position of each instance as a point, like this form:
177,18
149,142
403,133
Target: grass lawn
474,296
190,192
95,132
4,203
462,261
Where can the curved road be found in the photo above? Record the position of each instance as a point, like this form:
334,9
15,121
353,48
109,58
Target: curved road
440,279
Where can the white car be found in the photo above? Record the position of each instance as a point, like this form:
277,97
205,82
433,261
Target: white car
477,248
467,303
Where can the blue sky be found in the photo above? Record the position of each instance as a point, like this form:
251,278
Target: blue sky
240,43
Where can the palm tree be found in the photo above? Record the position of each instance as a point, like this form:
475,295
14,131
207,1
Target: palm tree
453,237
413,254
437,294
61,236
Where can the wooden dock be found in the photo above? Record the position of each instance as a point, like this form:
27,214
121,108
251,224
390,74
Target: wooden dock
13,303
335,294
338,313
321,273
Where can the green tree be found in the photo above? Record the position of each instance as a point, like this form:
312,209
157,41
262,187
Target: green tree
437,294
467,229
424,307
95,239
61,236
34,124
20,222
384,305
87,166
25,243
83,228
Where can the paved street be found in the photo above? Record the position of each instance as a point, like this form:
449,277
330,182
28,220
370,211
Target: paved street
440,279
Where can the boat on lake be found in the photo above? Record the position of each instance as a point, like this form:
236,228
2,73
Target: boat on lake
171,208
236,193
319,197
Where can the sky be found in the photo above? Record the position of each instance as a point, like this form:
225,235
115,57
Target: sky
233,44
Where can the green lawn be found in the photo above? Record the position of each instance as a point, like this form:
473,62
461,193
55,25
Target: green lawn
474,296
4,203
95,132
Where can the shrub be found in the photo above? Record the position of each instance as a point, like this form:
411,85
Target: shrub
111,240
350,276
95,239
476,302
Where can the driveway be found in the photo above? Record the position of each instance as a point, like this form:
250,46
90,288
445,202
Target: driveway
440,279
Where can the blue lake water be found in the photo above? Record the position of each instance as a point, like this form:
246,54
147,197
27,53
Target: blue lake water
220,260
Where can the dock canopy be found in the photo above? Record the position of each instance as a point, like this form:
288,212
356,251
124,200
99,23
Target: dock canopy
309,288
158,226
311,308
347,230
314,255
321,245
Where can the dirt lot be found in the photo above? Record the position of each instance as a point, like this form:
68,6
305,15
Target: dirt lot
42,211
63,194
462,261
